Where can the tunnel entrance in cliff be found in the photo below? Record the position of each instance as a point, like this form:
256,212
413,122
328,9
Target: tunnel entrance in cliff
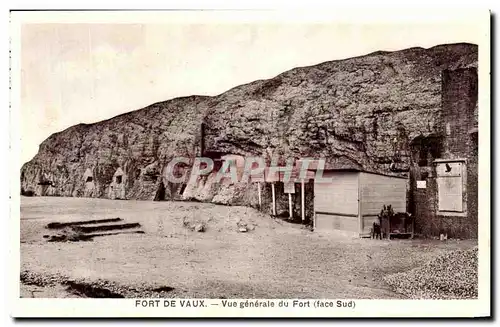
117,187
425,149
168,188
89,188
44,185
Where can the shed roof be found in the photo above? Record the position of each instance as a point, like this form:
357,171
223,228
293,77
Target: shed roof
388,174
332,163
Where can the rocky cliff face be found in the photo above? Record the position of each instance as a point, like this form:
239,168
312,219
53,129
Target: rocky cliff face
361,112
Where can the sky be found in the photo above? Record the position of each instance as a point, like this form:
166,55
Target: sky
74,72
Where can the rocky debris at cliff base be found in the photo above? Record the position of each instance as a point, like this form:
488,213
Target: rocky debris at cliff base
451,275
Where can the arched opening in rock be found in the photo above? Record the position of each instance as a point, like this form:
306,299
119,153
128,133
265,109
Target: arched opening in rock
88,177
89,188
117,187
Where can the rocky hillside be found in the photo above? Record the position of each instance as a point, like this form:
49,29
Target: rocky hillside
359,112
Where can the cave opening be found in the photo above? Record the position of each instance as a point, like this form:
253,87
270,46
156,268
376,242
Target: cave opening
160,192
182,189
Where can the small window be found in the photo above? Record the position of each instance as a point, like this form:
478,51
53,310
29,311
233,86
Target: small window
89,179
119,179
424,175
430,148
450,186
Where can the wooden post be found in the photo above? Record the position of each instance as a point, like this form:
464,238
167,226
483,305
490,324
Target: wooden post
302,200
274,199
412,227
290,204
260,196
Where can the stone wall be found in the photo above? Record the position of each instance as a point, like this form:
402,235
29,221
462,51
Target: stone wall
458,141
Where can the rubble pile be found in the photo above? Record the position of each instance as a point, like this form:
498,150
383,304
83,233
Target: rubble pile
98,288
451,275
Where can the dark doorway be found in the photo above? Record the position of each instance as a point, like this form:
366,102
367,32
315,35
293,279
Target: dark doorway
183,187
160,193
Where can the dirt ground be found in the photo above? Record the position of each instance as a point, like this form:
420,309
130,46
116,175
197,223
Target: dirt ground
274,259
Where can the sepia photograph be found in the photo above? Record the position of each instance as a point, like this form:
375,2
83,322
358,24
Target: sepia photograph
228,160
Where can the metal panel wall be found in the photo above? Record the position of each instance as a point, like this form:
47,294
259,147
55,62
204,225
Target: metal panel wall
336,202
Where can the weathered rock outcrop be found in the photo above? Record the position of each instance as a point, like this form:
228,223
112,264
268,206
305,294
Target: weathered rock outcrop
360,112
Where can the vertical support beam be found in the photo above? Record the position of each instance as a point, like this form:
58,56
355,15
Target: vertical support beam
290,204
274,199
260,196
302,200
